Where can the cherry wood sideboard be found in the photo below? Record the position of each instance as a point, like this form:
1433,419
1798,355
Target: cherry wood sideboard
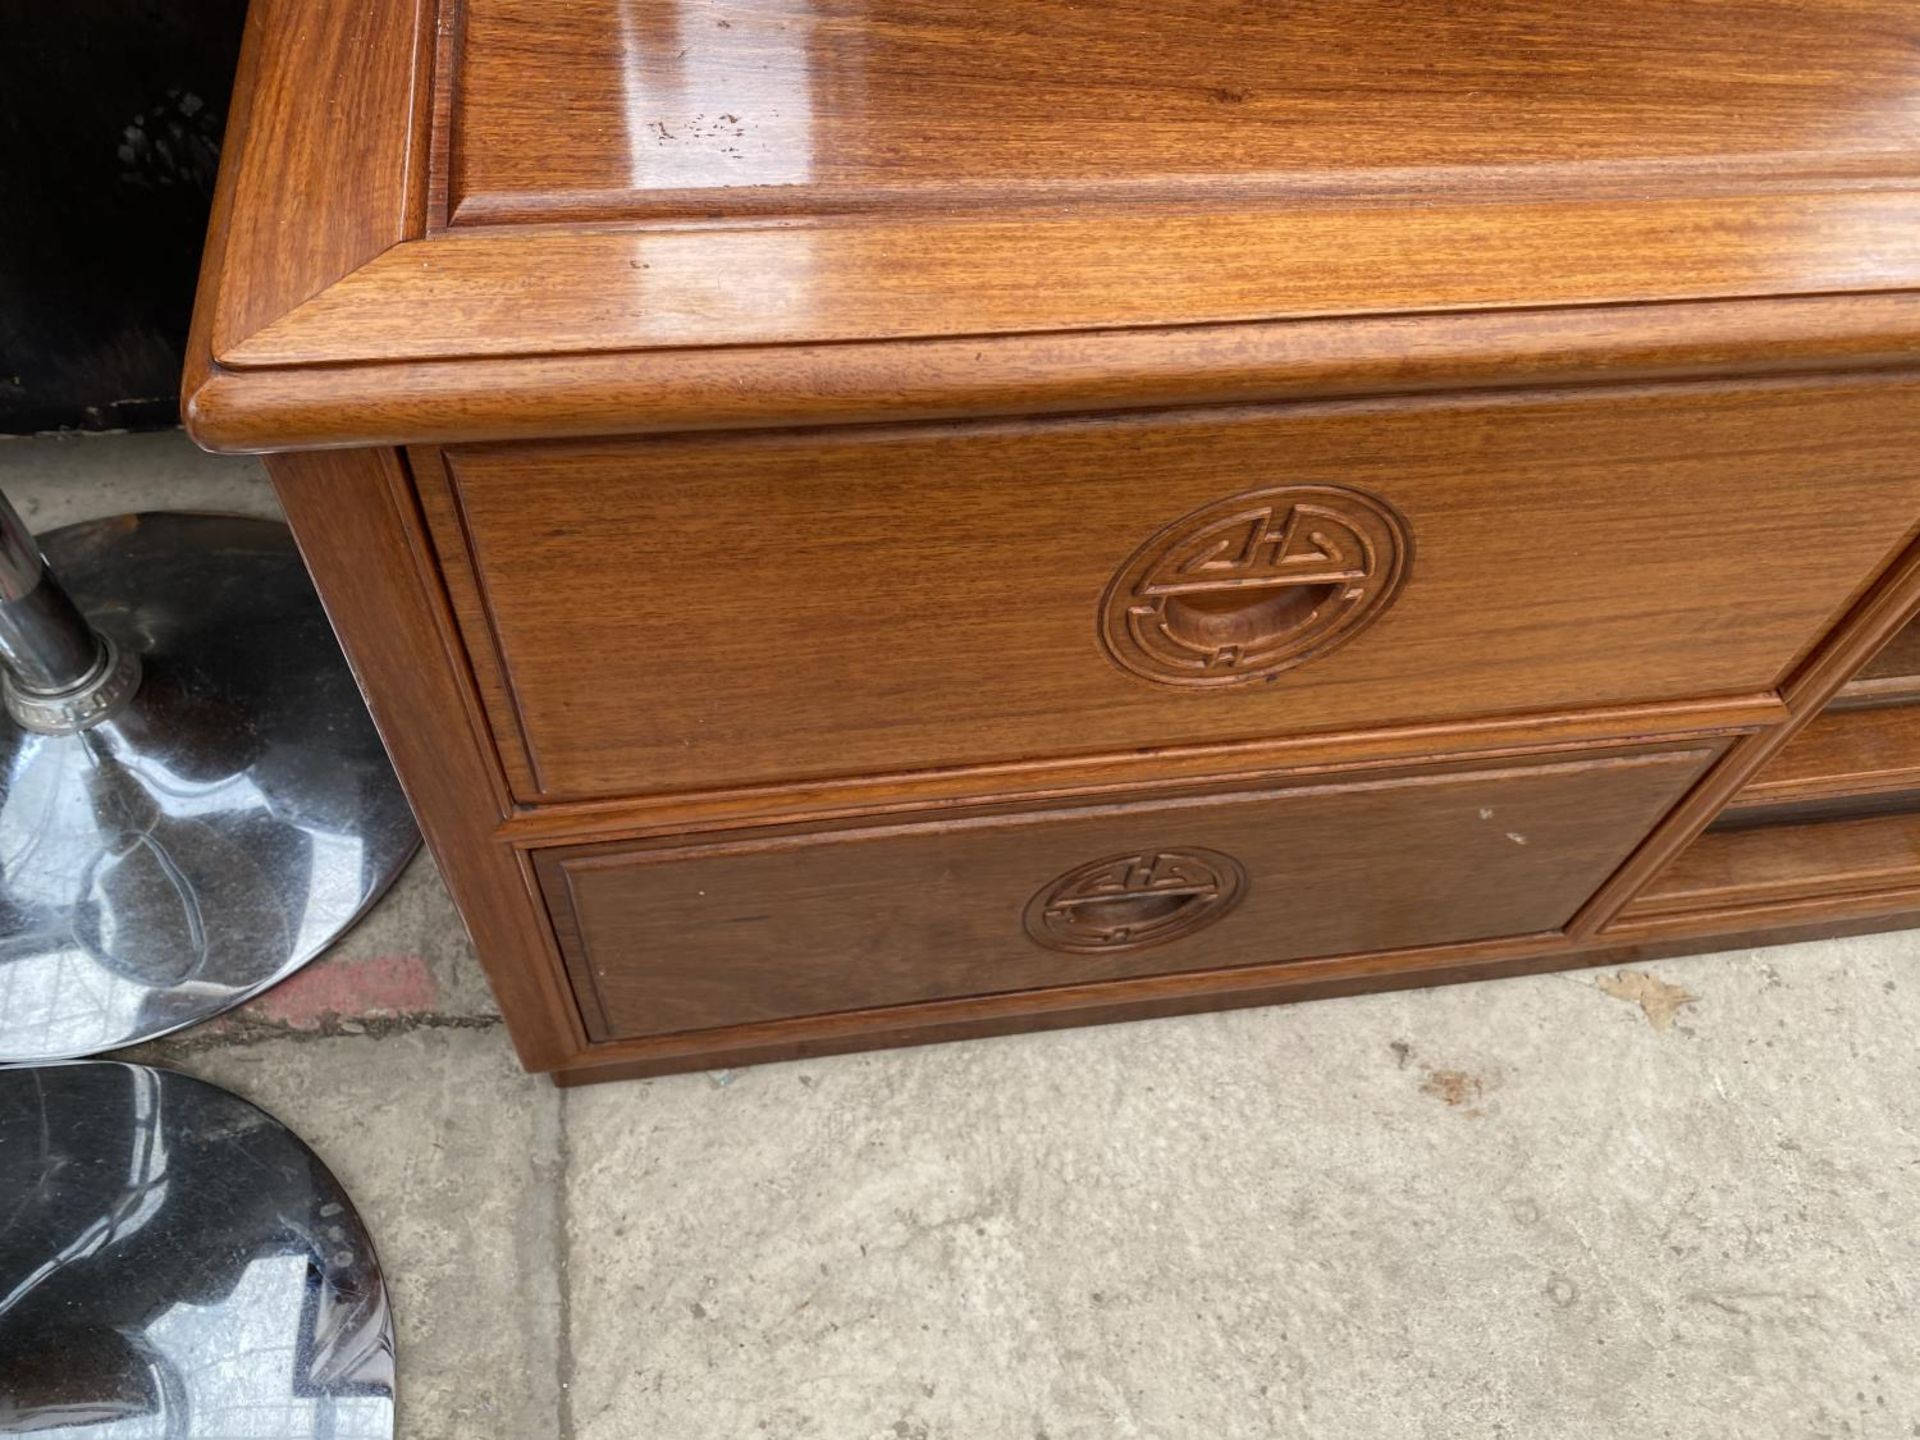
877,521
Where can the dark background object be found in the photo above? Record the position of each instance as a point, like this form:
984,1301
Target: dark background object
110,121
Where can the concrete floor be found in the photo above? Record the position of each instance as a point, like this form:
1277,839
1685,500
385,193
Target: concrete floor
1675,1202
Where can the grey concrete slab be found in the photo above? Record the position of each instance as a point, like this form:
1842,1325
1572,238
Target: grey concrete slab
451,1155
416,921
59,479
1512,1209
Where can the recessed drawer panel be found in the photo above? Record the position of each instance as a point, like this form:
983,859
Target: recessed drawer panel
693,935
685,612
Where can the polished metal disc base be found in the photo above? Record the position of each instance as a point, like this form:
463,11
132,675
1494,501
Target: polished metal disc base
220,830
177,1265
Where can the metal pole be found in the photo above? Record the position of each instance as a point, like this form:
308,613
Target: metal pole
58,675
44,641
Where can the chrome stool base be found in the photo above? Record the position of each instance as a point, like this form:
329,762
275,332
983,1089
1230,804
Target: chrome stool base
219,828
176,1265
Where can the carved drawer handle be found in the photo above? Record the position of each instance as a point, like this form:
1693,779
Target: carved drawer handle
1247,587
1128,902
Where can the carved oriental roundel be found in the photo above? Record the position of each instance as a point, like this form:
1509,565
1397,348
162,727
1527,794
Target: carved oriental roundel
1247,587
1128,902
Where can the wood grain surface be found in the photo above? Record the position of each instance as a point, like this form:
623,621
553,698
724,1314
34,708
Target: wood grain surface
1728,869
698,935
1891,677
1193,992
326,155
1865,631
513,290
1840,754
751,426
828,603
608,109
638,190
855,382
357,523
1142,773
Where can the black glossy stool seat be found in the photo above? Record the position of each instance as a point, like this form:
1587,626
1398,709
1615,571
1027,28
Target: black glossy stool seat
176,1265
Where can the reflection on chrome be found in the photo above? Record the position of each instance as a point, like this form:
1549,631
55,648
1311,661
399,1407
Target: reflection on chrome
176,1265
219,832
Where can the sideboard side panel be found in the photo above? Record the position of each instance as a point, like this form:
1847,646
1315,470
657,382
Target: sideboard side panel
357,520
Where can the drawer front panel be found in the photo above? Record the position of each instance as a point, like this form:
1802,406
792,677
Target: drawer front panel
692,936
686,612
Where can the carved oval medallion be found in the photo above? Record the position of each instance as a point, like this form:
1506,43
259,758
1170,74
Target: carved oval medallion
1128,902
1247,587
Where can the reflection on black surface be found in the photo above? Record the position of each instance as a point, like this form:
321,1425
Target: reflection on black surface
174,1263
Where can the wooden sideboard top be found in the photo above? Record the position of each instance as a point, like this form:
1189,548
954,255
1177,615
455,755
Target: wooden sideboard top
478,219
698,109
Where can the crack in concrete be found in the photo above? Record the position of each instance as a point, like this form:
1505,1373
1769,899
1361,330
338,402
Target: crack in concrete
240,1031
563,1251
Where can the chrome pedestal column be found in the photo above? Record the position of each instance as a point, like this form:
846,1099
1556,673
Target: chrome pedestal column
193,799
177,1265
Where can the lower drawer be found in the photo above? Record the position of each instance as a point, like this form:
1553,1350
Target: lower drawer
666,937
1733,870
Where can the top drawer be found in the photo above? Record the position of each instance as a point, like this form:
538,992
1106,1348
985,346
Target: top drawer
689,611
